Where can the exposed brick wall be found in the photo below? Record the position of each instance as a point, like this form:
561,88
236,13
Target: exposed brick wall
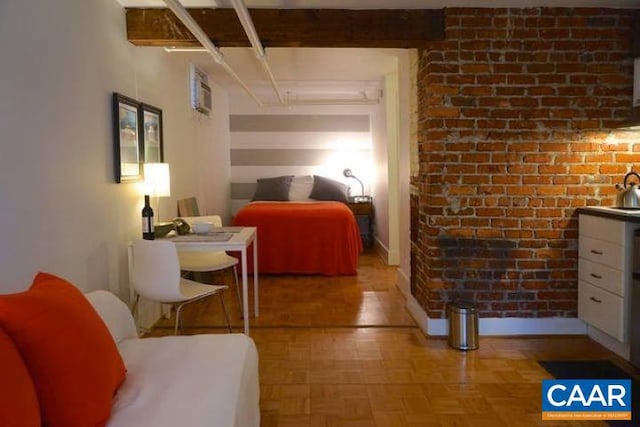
516,109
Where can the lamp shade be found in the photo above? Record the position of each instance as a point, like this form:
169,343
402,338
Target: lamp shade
157,181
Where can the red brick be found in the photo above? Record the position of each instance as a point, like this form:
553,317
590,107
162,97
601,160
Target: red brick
525,102
491,79
572,91
520,79
546,79
492,146
475,68
443,112
599,158
613,169
475,45
627,158
541,90
494,101
474,112
491,189
505,179
566,180
477,91
535,179
510,91
456,79
491,124
505,114
479,158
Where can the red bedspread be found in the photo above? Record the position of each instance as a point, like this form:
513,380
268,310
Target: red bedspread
303,238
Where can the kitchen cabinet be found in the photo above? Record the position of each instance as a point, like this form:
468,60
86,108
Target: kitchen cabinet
605,273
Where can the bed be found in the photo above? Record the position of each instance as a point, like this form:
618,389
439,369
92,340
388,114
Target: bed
306,237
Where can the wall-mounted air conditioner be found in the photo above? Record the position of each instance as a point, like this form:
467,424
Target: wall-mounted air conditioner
200,91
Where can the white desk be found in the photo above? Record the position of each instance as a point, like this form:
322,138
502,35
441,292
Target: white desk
241,239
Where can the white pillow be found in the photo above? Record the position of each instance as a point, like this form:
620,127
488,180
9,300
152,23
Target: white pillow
300,188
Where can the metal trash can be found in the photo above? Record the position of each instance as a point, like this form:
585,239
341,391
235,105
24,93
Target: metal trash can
463,326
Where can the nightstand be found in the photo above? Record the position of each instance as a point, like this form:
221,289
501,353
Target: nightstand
363,211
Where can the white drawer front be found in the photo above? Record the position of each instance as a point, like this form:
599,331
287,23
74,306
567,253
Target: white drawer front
606,229
602,309
602,252
600,275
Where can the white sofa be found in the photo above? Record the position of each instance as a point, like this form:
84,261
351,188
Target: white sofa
186,381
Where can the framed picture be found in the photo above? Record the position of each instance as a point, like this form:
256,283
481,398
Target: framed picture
152,134
127,141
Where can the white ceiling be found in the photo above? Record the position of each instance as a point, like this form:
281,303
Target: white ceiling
357,69
294,68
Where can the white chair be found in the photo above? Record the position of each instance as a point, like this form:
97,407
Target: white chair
156,277
201,261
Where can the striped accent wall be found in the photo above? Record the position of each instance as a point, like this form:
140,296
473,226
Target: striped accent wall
270,145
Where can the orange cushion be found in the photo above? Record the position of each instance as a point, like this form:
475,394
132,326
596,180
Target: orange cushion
18,401
70,354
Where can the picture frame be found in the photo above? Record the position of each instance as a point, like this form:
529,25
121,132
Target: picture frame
127,141
152,133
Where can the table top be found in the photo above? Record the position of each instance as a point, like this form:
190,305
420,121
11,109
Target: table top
227,238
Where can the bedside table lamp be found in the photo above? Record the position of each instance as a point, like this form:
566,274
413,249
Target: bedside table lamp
357,199
349,174
157,182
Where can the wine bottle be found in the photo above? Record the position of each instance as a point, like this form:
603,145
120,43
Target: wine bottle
147,220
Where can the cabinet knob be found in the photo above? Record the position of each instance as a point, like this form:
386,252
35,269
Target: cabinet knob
596,276
594,251
595,300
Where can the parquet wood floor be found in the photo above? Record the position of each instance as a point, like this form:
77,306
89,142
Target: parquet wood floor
344,352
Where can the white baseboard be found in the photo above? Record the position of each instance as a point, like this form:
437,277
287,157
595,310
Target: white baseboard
381,250
404,283
393,258
418,314
509,326
389,257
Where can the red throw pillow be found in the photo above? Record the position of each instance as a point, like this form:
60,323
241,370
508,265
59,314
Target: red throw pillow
70,354
18,401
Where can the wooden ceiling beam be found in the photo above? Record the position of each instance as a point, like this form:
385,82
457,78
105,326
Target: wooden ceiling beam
380,28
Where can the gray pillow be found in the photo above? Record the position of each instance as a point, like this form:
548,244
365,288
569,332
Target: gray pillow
329,189
273,189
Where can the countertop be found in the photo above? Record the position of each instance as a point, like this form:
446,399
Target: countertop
628,215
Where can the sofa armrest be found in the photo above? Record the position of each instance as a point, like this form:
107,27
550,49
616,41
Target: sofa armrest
115,314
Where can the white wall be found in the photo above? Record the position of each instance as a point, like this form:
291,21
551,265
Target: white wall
407,158
391,154
60,209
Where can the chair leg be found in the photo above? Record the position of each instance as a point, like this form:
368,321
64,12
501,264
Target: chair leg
178,320
235,276
224,309
181,324
134,309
